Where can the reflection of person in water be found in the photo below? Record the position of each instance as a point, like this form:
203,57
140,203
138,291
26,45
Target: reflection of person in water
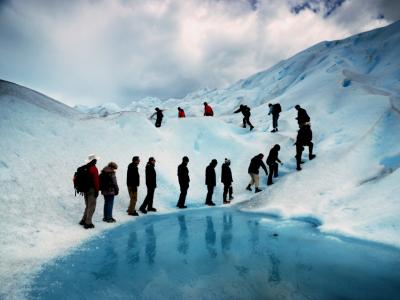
108,264
151,244
254,236
183,243
132,250
226,236
210,237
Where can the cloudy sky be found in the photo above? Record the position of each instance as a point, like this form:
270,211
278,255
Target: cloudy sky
96,51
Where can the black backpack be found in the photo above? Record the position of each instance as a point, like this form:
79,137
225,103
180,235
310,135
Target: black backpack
278,108
106,181
82,180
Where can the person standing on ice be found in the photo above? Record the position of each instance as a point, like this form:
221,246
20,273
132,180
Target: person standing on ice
208,111
151,183
274,110
183,178
133,181
211,181
109,189
245,110
253,170
272,162
304,138
181,113
226,179
92,193
159,116
302,116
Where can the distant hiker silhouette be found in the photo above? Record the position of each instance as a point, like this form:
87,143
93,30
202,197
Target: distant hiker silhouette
211,181
208,111
183,178
133,181
253,170
151,183
245,110
226,179
159,116
304,138
302,116
272,162
109,189
181,113
274,110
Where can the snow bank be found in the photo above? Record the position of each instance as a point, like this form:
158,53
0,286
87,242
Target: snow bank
350,88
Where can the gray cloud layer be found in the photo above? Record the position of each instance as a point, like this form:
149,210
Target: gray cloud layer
94,51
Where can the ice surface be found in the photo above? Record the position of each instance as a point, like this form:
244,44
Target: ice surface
351,188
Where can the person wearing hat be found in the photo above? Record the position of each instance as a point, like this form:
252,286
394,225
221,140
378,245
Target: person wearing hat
208,111
181,113
245,110
92,193
253,170
302,117
151,183
109,189
183,178
226,179
159,116
272,162
211,181
133,181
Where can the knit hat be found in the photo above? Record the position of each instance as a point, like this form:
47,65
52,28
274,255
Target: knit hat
113,165
227,160
91,157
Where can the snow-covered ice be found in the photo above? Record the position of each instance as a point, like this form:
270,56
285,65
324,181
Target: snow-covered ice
350,88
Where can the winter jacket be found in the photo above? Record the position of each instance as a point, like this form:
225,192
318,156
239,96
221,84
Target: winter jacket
108,182
159,115
302,116
210,176
273,156
226,174
208,111
304,136
181,114
183,175
94,175
255,164
151,177
132,176
275,109
244,109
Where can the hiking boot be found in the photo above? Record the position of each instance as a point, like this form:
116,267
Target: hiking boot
151,209
312,156
251,128
269,183
112,220
134,213
298,169
249,188
227,202
231,198
143,211
210,204
257,190
88,226
182,206
82,223
273,130
105,220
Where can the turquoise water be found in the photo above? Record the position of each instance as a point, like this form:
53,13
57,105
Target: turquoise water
221,254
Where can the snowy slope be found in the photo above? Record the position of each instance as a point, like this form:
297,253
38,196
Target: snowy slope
351,89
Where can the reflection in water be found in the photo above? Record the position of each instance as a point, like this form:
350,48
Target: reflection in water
108,264
211,237
132,249
151,244
226,236
183,242
254,239
274,276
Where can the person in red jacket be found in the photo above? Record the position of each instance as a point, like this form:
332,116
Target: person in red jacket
181,113
92,193
208,110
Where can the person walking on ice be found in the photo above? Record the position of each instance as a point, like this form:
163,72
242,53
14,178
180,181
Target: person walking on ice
109,189
133,181
208,111
272,162
181,113
211,181
151,183
302,117
274,110
253,170
183,178
304,138
245,110
226,179
159,116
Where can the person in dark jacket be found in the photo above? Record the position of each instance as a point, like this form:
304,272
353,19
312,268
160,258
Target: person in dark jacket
302,116
151,183
274,110
245,110
208,111
272,162
109,189
304,138
181,113
226,179
133,181
159,116
211,181
92,193
255,164
183,178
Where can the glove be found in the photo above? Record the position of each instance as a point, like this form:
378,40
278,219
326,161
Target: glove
281,164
